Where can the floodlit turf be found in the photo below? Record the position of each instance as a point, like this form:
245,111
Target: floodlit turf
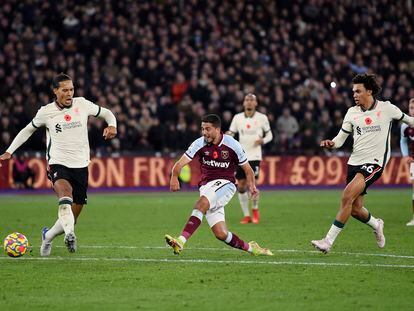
122,262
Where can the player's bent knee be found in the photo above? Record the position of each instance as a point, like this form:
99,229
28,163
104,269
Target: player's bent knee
202,205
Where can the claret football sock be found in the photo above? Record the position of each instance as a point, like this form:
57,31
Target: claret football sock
234,241
192,224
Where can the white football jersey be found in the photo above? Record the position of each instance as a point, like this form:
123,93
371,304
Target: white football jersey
251,129
371,130
67,140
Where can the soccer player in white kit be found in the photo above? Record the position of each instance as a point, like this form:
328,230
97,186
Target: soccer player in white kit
369,122
407,151
219,155
67,154
254,131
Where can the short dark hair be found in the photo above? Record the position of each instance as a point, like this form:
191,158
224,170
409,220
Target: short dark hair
59,78
213,119
369,81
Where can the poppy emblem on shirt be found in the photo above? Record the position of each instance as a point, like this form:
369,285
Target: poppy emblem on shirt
67,118
248,126
368,121
225,154
215,154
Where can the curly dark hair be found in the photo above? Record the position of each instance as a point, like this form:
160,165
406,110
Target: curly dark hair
369,81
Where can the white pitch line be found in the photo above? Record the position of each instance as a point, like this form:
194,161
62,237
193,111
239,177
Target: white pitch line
204,261
213,249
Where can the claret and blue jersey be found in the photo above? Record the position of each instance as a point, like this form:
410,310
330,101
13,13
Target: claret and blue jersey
217,161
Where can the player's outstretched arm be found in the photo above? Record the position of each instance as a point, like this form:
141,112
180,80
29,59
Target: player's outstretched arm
251,183
19,140
174,183
5,156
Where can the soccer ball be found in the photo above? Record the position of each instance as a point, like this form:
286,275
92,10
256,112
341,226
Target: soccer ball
16,244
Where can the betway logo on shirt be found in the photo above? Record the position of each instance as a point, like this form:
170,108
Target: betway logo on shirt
216,164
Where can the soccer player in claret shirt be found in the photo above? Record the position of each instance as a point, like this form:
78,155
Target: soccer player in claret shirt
369,122
407,151
219,155
254,131
67,154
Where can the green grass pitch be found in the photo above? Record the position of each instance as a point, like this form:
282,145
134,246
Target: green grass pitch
122,262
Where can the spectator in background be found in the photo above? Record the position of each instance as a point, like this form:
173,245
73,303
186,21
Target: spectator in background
146,55
287,124
23,175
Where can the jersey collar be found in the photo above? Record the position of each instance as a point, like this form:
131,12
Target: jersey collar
220,143
251,117
374,104
60,107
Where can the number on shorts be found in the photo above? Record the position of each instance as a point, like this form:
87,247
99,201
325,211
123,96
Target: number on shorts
368,168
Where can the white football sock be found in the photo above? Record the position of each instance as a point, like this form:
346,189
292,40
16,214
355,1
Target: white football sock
244,203
255,203
182,239
373,222
53,232
333,233
65,214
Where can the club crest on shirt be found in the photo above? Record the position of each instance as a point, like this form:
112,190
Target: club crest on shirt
225,154
368,121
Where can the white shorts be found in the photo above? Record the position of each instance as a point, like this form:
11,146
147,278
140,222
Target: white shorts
412,171
218,192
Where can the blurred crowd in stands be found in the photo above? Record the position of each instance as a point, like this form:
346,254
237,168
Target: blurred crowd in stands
161,65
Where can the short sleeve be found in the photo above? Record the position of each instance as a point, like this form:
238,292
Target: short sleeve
238,149
266,124
347,124
194,148
233,125
402,129
394,112
40,118
93,109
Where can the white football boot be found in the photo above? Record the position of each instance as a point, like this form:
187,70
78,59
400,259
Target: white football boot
322,245
410,223
45,248
379,234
